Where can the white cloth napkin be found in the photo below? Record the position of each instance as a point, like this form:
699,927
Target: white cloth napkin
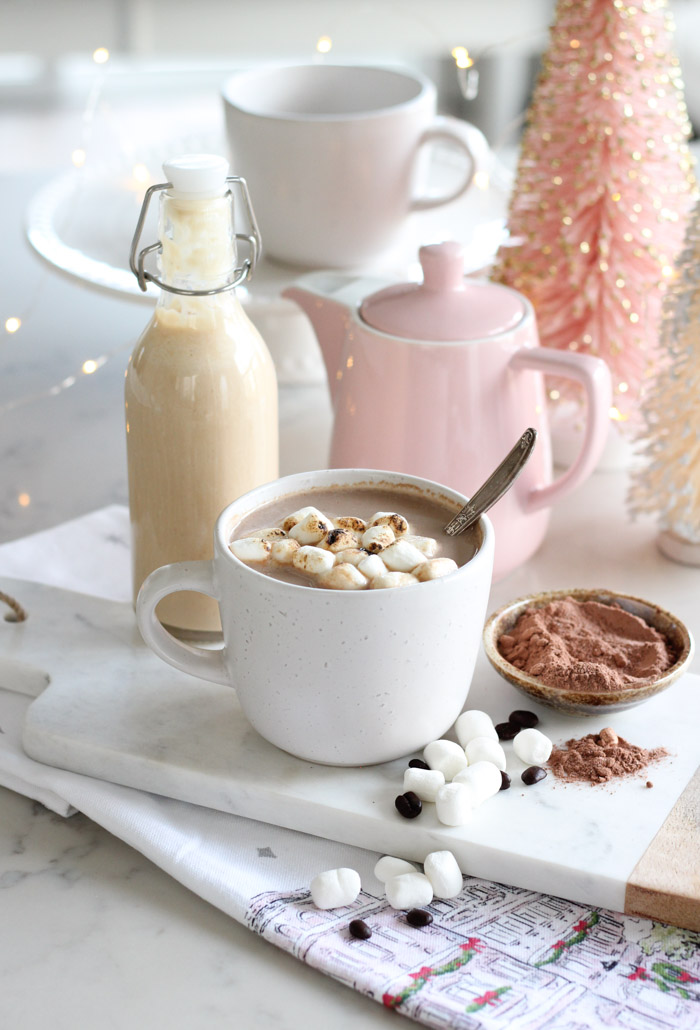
493,957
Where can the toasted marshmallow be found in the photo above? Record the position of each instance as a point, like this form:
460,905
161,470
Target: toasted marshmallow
376,538
251,549
351,522
354,555
409,890
393,579
425,544
311,529
343,577
402,557
274,533
372,566
387,866
297,516
484,778
390,518
532,746
484,749
445,755
339,540
283,551
335,888
444,874
435,568
312,560
474,723
423,782
454,804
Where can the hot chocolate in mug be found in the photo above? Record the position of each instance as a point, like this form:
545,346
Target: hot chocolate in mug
341,677
341,151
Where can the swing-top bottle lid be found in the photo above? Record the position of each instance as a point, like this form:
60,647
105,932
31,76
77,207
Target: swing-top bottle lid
197,175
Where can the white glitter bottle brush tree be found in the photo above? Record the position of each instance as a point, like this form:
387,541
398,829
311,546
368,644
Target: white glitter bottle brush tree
603,191
667,483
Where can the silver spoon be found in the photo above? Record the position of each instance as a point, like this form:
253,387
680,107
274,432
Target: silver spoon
498,483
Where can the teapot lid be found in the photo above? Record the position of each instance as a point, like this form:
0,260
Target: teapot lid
446,305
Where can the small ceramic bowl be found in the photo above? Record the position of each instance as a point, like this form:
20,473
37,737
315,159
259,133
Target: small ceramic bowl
578,702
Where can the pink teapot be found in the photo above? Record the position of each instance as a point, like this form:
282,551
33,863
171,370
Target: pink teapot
439,379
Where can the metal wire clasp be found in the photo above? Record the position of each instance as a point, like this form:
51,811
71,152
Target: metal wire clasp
239,274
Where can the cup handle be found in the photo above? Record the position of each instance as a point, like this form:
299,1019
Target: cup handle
594,375
197,661
465,138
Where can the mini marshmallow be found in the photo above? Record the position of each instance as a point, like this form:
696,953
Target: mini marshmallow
335,888
474,723
311,529
409,890
393,579
388,867
312,560
274,533
454,804
251,548
423,782
351,522
402,557
446,756
425,544
444,874
532,747
339,540
343,577
283,551
484,779
372,566
376,538
354,555
484,749
435,568
390,518
297,516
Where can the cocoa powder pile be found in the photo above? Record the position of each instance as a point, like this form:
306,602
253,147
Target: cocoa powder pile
586,645
600,757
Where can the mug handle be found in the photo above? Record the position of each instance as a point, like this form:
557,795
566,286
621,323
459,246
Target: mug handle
205,663
594,375
466,139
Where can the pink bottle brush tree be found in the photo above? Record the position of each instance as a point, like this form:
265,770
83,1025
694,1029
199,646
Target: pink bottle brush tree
603,188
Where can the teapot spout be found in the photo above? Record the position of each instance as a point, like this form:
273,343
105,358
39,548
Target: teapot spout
320,296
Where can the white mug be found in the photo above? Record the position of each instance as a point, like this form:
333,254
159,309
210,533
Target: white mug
333,153
339,677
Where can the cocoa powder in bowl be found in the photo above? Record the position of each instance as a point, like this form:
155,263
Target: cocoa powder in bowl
586,646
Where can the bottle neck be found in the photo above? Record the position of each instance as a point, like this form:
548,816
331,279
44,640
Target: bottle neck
198,244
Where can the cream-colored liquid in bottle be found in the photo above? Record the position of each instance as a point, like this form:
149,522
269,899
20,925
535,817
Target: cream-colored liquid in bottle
201,399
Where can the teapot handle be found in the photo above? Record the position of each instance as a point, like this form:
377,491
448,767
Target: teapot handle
594,375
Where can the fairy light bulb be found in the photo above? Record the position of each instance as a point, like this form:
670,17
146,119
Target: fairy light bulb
78,157
461,57
324,44
12,324
101,55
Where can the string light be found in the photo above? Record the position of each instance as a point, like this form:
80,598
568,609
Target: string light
78,157
24,500
324,44
140,173
12,324
89,366
101,55
461,57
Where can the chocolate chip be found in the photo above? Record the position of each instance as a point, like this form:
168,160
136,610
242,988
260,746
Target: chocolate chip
649,783
525,720
418,917
533,774
505,781
358,928
507,730
418,763
409,805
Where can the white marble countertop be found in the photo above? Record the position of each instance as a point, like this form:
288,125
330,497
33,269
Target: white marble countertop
96,928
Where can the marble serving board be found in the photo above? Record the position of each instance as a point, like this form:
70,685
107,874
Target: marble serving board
113,711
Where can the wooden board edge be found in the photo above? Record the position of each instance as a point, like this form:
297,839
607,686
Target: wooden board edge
665,883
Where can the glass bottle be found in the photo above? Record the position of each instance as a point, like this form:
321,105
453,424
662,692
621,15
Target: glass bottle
201,390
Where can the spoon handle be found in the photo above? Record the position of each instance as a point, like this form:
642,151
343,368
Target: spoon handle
500,480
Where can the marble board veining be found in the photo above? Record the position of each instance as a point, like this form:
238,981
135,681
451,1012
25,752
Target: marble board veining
114,711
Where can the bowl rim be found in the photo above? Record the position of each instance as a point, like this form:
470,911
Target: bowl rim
503,666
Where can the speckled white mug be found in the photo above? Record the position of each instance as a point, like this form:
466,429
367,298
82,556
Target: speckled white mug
338,677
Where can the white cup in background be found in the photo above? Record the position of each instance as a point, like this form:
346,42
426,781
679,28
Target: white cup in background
333,156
